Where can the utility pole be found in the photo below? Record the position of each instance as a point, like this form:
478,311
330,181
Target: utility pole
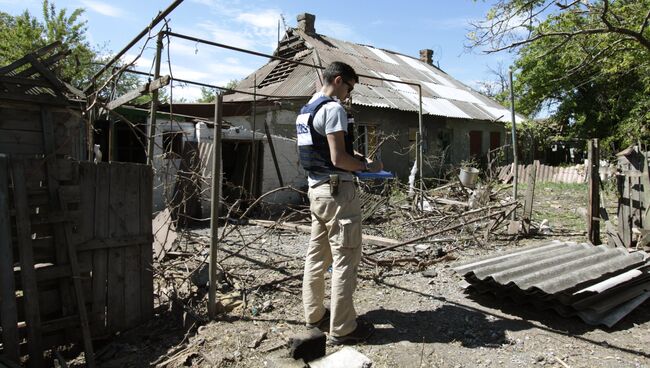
215,202
514,144
154,102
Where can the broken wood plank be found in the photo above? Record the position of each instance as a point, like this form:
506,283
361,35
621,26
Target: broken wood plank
613,238
52,168
28,274
451,202
164,233
139,91
8,310
132,292
100,255
117,207
89,354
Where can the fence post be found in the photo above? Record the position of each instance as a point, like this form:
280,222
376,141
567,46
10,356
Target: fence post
151,134
528,199
593,211
515,159
214,208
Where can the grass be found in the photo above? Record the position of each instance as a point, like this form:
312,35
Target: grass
565,205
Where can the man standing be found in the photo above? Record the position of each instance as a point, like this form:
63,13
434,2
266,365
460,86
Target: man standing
326,153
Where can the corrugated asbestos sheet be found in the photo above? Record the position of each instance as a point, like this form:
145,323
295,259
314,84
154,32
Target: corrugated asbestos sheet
442,94
599,284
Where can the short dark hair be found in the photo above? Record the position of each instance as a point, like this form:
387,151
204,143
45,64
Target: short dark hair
339,68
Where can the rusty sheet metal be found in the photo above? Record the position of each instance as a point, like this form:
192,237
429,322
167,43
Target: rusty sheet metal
597,283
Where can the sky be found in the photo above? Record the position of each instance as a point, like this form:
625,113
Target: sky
405,27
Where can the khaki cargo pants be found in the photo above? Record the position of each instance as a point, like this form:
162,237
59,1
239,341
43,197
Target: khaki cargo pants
336,241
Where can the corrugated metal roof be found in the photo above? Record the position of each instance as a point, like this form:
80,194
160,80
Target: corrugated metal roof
599,284
442,94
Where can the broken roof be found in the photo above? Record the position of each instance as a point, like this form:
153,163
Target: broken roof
30,79
442,95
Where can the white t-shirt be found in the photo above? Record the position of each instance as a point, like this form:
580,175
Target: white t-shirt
331,118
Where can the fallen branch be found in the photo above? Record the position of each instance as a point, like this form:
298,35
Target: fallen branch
434,233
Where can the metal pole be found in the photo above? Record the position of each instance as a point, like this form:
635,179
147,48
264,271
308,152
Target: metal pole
137,38
514,144
593,212
154,102
215,202
220,88
274,57
420,152
253,145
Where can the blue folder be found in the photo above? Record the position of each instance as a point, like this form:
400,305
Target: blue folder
378,175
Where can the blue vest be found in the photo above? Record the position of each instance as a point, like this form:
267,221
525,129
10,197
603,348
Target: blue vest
313,148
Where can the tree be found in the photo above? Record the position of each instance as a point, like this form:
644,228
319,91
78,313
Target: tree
22,34
587,62
208,94
513,23
498,87
18,35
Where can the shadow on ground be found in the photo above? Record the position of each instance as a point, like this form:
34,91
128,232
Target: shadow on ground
461,321
445,324
551,319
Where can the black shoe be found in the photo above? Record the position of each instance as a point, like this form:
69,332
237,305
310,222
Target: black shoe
323,324
363,331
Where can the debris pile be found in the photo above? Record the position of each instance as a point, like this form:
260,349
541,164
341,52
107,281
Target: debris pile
431,224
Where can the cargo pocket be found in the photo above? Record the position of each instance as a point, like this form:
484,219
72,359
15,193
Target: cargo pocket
349,235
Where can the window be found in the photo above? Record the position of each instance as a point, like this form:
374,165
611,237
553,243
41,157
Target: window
172,144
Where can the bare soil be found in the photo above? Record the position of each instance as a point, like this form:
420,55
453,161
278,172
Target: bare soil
421,321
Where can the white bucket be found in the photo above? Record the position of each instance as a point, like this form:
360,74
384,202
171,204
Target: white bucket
468,176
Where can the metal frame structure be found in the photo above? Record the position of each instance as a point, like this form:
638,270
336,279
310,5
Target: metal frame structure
273,57
218,108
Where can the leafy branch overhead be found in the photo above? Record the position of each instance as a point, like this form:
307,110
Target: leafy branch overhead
514,23
585,62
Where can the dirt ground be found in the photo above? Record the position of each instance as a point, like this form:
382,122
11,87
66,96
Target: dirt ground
421,321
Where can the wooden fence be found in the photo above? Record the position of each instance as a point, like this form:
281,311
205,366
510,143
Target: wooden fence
103,214
634,194
546,173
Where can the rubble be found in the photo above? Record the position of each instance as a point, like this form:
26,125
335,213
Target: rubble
347,357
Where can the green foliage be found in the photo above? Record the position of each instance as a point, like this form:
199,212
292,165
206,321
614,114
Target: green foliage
18,35
588,63
22,34
208,94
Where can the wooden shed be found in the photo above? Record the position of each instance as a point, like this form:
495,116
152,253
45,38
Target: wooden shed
72,232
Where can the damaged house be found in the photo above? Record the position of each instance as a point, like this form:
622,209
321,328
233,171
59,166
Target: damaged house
183,151
459,123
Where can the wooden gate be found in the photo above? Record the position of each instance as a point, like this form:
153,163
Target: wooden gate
634,193
103,214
